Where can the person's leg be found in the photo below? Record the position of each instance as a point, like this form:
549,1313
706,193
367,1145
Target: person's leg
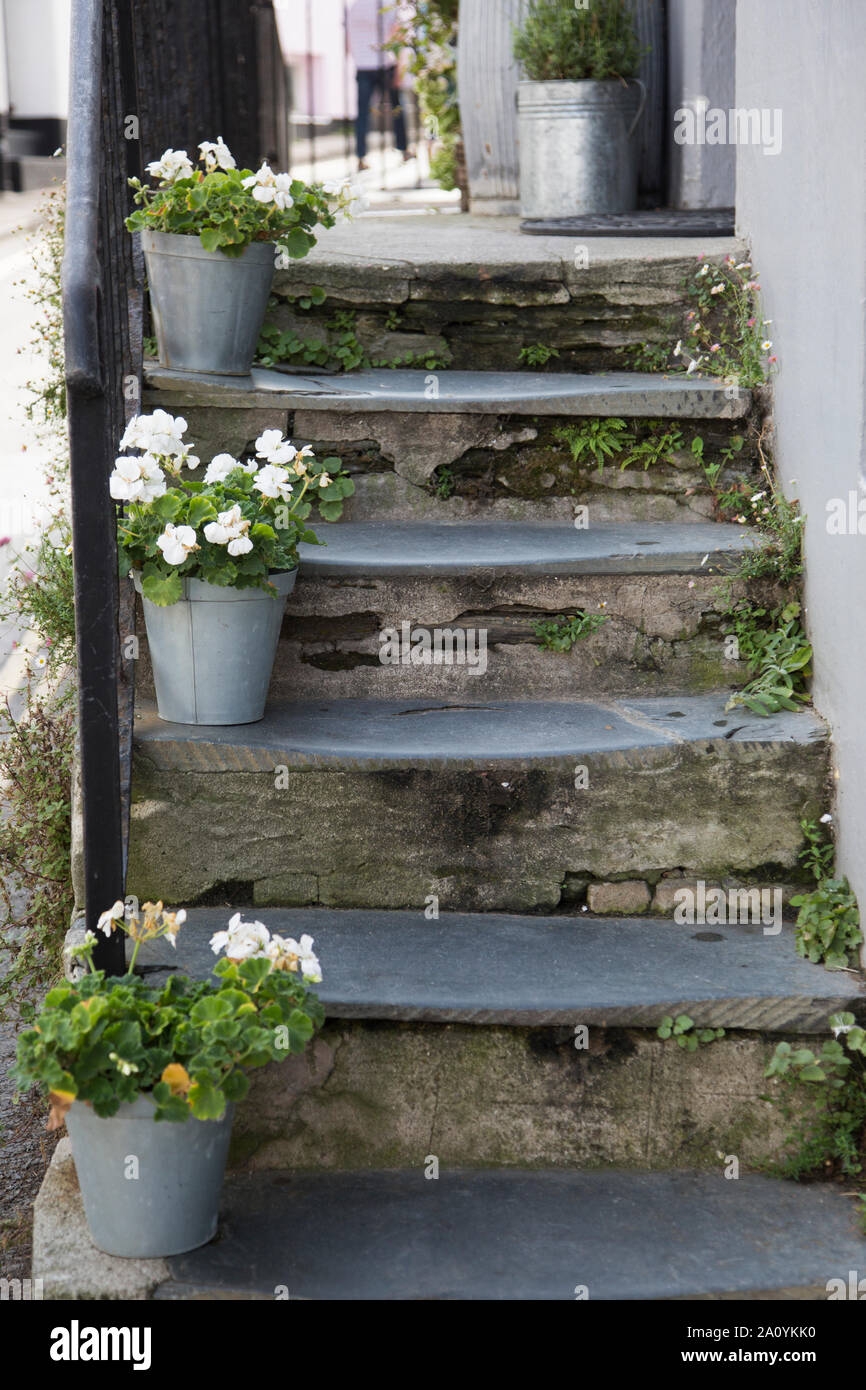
399,120
366,82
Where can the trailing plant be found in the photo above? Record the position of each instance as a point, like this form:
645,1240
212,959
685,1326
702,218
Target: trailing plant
228,208
828,923
426,38
106,1041
724,333
41,599
832,1133
561,41
561,633
243,522
36,753
536,355
778,654
46,408
687,1035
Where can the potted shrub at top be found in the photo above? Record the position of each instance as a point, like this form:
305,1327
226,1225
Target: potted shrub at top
578,108
215,559
212,239
152,1073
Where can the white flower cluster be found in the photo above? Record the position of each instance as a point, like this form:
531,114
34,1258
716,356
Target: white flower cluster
142,478
253,941
230,529
176,164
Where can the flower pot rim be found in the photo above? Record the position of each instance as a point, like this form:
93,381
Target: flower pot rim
189,244
216,593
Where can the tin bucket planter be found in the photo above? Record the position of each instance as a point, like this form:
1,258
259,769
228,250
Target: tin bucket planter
207,308
170,1202
579,146
213,651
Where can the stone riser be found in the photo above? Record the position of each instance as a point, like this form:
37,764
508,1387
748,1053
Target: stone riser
509,836
390,1095
499,467
663,634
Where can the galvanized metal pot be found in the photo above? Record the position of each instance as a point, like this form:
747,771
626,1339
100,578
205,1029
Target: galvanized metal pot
149,1189
213,651
578,146
208,308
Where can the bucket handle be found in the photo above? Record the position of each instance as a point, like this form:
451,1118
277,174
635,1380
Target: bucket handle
640,109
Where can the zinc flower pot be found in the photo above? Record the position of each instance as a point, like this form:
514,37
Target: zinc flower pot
579,146
149,1188
213,651
208,308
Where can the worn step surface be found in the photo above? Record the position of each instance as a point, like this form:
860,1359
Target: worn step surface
474,1235
492,968
490,805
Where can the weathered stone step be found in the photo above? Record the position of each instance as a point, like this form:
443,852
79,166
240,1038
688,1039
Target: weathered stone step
464,291
489,805
537,971
490,584
490,444
636,394
470,1235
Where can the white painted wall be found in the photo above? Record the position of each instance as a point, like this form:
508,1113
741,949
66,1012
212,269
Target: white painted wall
804,211
37,49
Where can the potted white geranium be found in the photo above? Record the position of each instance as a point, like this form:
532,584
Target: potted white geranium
215,559
212,238
579,107
151,1073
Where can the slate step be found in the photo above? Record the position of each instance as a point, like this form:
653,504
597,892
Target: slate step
486,968
658,590
491,805
453,445
446,392
522,1236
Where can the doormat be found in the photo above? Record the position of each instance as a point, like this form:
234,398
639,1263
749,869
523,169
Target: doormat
648,222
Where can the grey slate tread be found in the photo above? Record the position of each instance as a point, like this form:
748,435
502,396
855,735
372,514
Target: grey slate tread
372,734
460,392
515,1235
372,549
519,970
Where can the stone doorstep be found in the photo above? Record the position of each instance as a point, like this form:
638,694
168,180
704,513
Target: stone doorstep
472,1235
531,971
632,394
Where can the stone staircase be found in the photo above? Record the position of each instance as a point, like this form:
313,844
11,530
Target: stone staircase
488,859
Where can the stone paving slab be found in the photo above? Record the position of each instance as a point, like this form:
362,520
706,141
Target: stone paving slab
413,733
390,548
506,1235
633,394
500,968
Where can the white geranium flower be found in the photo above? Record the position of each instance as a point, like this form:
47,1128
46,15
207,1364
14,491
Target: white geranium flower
282,191
220,466
273,481
108,918
176,543
243,940
263,184
296,957
230,529
173,165
217,155
159,433
267,443
136,479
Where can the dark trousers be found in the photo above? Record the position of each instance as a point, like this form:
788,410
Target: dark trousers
383,80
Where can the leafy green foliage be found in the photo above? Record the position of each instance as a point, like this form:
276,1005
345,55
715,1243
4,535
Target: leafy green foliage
561,633
724,333
683,1030
645,444
536,355
426,39
42,598
337,346
828,923
778,654
831,1134
560,41
225,216
46,408
188,1045
445,484
818,853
